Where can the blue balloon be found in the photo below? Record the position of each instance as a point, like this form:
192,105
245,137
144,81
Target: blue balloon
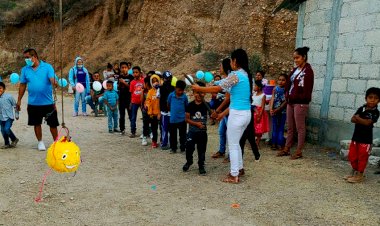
130,72
62,82
115,85
208,76
14,78
200,74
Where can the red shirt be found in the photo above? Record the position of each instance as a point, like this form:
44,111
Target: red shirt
136,89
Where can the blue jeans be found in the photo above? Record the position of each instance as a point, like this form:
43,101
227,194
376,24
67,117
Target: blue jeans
113,118
80,97
7,132
92,104
278,125
165,121
134,109
223,135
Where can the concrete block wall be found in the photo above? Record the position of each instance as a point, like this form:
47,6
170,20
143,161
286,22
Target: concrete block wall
348,32
356,56
316,36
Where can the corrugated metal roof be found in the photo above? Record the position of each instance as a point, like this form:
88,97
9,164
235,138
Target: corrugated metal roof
289,4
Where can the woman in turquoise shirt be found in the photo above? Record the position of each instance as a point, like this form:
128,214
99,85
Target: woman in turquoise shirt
239,85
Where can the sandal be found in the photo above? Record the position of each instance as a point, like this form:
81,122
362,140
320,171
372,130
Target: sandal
296,155
217,155
231,179
273,147
226,160
283,152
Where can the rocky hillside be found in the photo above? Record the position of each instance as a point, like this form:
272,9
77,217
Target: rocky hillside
184,36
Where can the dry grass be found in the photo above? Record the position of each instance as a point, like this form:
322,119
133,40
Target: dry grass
18,13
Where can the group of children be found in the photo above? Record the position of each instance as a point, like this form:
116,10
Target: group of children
167,108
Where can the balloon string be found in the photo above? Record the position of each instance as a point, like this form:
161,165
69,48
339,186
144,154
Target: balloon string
39,197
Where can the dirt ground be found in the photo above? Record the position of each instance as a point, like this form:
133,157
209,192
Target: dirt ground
121,182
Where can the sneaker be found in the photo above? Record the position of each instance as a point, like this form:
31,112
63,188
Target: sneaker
173,151
154,145
142,136
164,148
41,146
144,142
116,131
202,171
75,114
122,132
84,114
110,131
186,167
132,135
257,159
6,146
217,155
14,143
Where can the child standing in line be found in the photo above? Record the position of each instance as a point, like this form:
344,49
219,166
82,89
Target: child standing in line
261,123
7,105
277,108
136,89
109,74
177,102
361,143
144,110
165,90
124,81
111,99
152,105
196,117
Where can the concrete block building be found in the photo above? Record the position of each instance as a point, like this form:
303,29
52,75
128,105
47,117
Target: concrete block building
344,38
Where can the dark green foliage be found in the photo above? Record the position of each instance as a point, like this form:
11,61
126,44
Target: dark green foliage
255,63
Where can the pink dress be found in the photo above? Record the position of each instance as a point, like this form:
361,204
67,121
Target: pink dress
263,125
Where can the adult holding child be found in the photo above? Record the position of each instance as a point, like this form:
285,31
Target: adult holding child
239,85
38,77
298,96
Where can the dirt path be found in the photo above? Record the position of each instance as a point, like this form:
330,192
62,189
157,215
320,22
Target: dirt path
122,183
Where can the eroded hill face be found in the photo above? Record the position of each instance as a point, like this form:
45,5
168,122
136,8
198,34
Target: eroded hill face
181,35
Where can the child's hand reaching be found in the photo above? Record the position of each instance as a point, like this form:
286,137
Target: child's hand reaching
200,125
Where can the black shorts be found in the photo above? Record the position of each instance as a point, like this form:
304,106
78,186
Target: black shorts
37,113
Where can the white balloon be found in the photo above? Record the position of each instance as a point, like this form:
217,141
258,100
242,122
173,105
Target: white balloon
187,80
97,86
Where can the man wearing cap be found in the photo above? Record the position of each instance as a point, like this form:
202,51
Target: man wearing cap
165,90
38,76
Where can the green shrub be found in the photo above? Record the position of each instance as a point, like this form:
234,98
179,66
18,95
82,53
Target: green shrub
210,60
198,45
255,63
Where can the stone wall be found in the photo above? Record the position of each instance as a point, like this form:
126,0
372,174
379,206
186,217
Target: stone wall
344,37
